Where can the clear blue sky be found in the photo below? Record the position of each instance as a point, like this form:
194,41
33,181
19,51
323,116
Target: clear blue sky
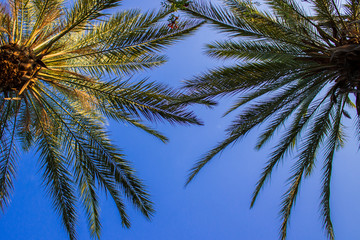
213,207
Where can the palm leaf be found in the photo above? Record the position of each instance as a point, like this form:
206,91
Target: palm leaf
292,74
65,69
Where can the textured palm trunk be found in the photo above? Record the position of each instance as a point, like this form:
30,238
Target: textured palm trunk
347,61
18,68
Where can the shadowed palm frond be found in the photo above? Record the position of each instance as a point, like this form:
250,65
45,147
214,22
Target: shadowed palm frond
295,72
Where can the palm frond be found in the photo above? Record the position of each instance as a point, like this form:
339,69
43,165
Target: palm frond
305,163
57,60
292,73
8,157
335,140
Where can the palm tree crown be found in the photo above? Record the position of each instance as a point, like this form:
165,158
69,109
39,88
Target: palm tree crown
296,71
62,69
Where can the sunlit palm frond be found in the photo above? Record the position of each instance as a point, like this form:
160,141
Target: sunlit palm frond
65,68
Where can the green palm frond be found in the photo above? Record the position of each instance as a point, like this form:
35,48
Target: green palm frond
295,73
64,70
253,51
8,154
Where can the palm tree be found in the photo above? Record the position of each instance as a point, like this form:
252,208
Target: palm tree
296,71
64,70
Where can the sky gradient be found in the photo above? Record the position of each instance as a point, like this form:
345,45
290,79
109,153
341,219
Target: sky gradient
215,206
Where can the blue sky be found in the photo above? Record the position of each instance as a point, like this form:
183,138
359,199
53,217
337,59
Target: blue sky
215,206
